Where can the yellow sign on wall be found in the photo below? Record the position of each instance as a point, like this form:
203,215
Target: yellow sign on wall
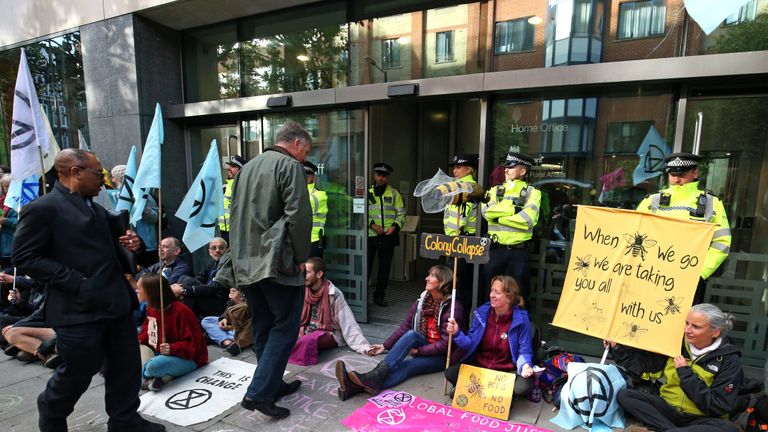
632,277
484,391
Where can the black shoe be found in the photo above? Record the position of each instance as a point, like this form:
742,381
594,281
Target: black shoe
141,425
47,347
11,351
288,388
53,361
233,349
371,381
380,302
25,357
269,409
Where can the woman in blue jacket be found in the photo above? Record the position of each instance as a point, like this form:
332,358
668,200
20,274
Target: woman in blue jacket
499,338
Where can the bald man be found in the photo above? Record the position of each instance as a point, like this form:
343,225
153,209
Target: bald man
72,244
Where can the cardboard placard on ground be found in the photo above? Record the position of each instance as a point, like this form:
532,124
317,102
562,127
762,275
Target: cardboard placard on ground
484,391
632,277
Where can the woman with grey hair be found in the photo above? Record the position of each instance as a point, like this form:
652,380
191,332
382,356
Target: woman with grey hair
702,383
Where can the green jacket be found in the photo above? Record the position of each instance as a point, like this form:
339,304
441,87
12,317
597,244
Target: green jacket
271,222
682,201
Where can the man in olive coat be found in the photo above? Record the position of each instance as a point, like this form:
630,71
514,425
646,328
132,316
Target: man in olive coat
270,236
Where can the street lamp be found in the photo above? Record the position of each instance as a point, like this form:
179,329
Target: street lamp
372,62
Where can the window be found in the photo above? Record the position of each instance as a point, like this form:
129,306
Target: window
744,14
444,47
390,53
512,36
626,137
641,19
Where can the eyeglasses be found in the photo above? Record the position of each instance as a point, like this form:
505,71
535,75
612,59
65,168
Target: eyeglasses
92,171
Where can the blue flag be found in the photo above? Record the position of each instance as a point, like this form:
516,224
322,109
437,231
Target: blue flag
126,198
203,203
22,193
588,399
652,152
148,175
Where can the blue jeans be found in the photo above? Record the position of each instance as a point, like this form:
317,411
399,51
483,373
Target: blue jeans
211,326
163,365
275,317
402,368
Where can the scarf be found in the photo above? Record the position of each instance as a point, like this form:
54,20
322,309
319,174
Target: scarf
696,353
320,298
429,309
3,207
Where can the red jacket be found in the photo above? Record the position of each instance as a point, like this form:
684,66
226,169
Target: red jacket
182,332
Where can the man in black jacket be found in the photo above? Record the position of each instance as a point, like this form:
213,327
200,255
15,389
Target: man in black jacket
202,294
72,244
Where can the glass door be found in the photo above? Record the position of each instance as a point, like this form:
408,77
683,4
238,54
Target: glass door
734,142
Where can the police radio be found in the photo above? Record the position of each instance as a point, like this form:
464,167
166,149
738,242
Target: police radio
665,199
701,206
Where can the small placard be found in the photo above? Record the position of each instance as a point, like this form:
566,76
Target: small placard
484,391
358,205
475,250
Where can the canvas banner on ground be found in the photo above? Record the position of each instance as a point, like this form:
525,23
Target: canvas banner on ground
401,411
484,391
200,395
632,277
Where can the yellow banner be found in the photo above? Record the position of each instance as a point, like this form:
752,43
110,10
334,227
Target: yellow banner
484,391
632,277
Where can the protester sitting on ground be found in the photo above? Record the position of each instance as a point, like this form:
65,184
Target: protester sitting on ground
30,339
202,294
224,331
499,338
26,298
8,219
173,347
146,227
701,384
423,336
326,319
171,265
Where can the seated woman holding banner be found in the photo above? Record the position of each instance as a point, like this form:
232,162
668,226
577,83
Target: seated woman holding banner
417,347
500,336
172,345
702,383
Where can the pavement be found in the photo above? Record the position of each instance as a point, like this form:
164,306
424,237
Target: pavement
315,407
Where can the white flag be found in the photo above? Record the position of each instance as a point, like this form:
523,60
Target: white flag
83,143
49,157
28,131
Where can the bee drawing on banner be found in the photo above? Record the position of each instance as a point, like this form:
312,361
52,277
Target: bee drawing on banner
475,388
671,304
582,264
633,331
591,314
638,244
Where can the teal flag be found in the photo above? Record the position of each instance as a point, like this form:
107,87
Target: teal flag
149,173
203,203
125,197
652,152
21,193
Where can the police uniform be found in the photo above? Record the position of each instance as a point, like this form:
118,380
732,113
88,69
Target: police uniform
319,201
512,210
461,219
386,209
688,202
235,161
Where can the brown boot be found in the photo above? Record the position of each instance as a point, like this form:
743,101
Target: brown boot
371,381
347,388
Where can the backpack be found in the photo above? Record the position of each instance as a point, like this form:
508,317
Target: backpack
758,416
555,375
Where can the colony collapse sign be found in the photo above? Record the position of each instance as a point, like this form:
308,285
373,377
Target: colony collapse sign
475,250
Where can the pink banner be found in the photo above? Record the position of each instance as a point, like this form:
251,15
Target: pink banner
401,411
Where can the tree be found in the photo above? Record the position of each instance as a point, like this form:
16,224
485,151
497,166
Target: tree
746,36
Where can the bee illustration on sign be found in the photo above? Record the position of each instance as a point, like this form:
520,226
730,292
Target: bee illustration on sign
671,304
592,314
582,264
475,388
637,244
633,331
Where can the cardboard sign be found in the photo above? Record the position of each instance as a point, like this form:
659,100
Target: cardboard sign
632,277
484,391
475,250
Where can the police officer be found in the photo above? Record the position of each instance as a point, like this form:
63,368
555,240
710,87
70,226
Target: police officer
386,215
234,165
512,210
319,202
683,199
461,219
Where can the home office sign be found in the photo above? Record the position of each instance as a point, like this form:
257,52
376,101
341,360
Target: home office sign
475,250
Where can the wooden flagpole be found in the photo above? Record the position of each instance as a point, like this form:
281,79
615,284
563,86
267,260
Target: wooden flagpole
453,301
42,168
160,259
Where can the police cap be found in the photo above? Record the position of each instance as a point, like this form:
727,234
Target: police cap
681,162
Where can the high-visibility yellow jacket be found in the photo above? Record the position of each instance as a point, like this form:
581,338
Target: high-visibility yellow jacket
467,223
224,219
683,204
319,202
385,210
512,211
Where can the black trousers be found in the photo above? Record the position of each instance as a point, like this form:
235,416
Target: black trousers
316,250
110,346
510,262
522,385
385,263
652,411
